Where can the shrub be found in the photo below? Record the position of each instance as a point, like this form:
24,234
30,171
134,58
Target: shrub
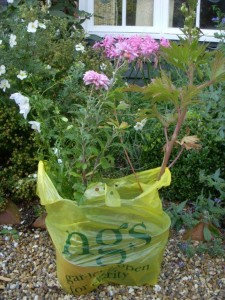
207,122
37,52
17,152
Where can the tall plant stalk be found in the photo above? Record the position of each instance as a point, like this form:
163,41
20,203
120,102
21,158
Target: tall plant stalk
188,57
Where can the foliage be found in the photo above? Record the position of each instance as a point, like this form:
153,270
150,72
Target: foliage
60,8
86,133
8,232
17,148
219,21
208,210
46,57
207,121
205,208
43,60
188,57
214,248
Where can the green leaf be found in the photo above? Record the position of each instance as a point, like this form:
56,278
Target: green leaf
216,175
181,206
183,54
3,8
162,90
16,2
189,94
104,163
123,106
74,174
58,13
218,67
134,88
84,166
215,231
207,234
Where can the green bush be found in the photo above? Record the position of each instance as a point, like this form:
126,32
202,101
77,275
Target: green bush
49,48
17,152
47,58
207,122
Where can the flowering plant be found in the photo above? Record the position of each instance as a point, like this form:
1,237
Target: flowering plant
82,116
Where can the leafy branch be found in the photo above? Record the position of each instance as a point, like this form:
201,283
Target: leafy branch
188,57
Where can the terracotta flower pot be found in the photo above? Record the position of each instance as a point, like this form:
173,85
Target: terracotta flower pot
11,215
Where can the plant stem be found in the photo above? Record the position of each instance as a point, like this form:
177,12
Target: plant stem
58,82
131,166
177,157
170,143
128,158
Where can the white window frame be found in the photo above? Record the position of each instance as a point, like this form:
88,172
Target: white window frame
160,21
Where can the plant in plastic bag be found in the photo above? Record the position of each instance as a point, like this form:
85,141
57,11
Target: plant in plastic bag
81,117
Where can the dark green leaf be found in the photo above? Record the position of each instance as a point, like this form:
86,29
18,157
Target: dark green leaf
58,13
181,206
207,234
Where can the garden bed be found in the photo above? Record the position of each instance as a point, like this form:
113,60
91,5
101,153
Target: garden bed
28,271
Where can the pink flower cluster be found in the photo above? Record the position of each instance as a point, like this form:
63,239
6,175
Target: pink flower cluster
164,43
98,80
131,48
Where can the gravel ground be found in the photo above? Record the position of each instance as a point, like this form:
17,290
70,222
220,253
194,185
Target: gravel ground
28,272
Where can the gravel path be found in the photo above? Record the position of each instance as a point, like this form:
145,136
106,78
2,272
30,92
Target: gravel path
28,272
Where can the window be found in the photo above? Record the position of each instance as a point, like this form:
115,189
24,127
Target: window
157,17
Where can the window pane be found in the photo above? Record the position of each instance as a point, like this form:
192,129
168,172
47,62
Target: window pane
140,12
208,13
176,18
108,12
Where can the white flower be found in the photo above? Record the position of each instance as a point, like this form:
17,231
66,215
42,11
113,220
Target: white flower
12,40
42,25
80,47
56,151
22,75
140,125
49,3
64,119
2,69
7,227
103,67
34,175
35,125
22,102
59,161
69,127
48,67
144,121
10,1
0,42
4,84
157,288
32,26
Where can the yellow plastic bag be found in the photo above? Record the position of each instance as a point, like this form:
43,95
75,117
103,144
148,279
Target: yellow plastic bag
117,235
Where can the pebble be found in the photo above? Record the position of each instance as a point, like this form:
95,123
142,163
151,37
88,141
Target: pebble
31,266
